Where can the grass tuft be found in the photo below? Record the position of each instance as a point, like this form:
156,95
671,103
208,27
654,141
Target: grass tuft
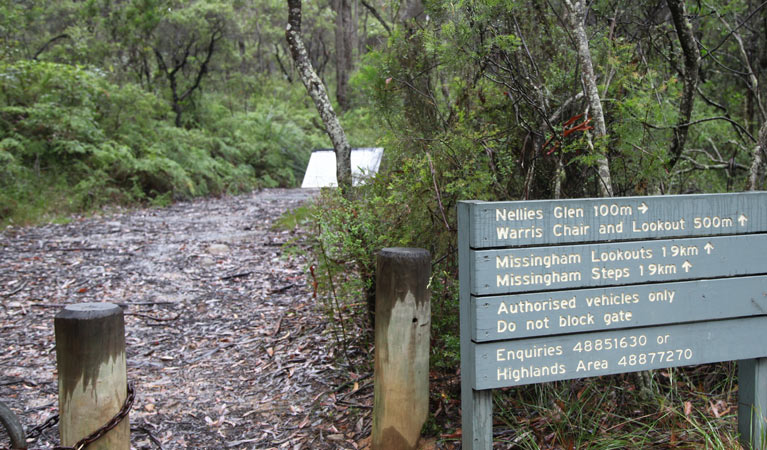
692,408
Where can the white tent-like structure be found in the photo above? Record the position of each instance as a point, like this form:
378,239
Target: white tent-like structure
321,170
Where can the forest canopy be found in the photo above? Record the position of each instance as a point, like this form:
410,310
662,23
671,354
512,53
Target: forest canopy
161,99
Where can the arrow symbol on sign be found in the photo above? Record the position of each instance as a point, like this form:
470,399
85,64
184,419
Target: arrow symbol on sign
742,219
708,248
642,207
686,266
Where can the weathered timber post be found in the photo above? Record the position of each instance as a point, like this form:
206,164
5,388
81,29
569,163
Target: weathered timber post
402,331
90,356
752,403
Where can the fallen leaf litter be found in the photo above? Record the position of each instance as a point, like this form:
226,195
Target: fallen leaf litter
224,342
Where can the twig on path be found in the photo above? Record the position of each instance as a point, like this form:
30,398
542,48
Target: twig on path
208,353
277,328
15,380
126,304
220,347
122,305
240,442
16,291
282,289
237,275
149,434
89,249
158,319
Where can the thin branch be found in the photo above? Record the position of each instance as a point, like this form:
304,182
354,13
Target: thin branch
15,291
279,61
214,37
376,15
691,56
436,189
695,122
48,44
716,47
738,129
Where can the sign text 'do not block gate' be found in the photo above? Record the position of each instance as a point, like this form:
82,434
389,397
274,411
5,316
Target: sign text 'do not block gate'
562,289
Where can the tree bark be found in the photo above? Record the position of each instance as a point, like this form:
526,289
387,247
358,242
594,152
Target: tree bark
691,56
758,157
346,42
319,95
576,14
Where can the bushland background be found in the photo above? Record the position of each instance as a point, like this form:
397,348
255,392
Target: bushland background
146,102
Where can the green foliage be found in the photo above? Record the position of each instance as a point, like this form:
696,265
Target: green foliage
69,128
480,102
475,99
294,219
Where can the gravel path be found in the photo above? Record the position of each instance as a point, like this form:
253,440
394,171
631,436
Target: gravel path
225,342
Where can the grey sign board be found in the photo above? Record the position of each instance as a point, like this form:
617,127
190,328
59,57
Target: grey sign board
577,266
560,289
538,222
536,360
518,316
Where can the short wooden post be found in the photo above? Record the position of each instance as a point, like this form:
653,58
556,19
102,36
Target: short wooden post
402,332
90,356
752,403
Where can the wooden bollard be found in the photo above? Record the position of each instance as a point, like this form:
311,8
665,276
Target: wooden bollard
90,355
402,329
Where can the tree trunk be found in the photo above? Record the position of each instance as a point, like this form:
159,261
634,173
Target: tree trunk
689,77
319,95
758,157
576,14
346,41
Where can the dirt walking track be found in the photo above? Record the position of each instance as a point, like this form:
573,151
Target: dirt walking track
225,344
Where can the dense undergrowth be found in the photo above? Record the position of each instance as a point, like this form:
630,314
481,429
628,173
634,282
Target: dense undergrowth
463,102
72,141
690,407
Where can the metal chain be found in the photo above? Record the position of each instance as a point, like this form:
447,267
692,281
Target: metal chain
113,422
34,433
96,435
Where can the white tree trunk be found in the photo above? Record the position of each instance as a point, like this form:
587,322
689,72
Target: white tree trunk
319,95
576,14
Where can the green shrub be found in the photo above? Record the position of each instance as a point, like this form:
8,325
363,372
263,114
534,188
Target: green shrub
70,127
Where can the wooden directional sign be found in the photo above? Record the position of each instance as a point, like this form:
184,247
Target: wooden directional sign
540,222
560,289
